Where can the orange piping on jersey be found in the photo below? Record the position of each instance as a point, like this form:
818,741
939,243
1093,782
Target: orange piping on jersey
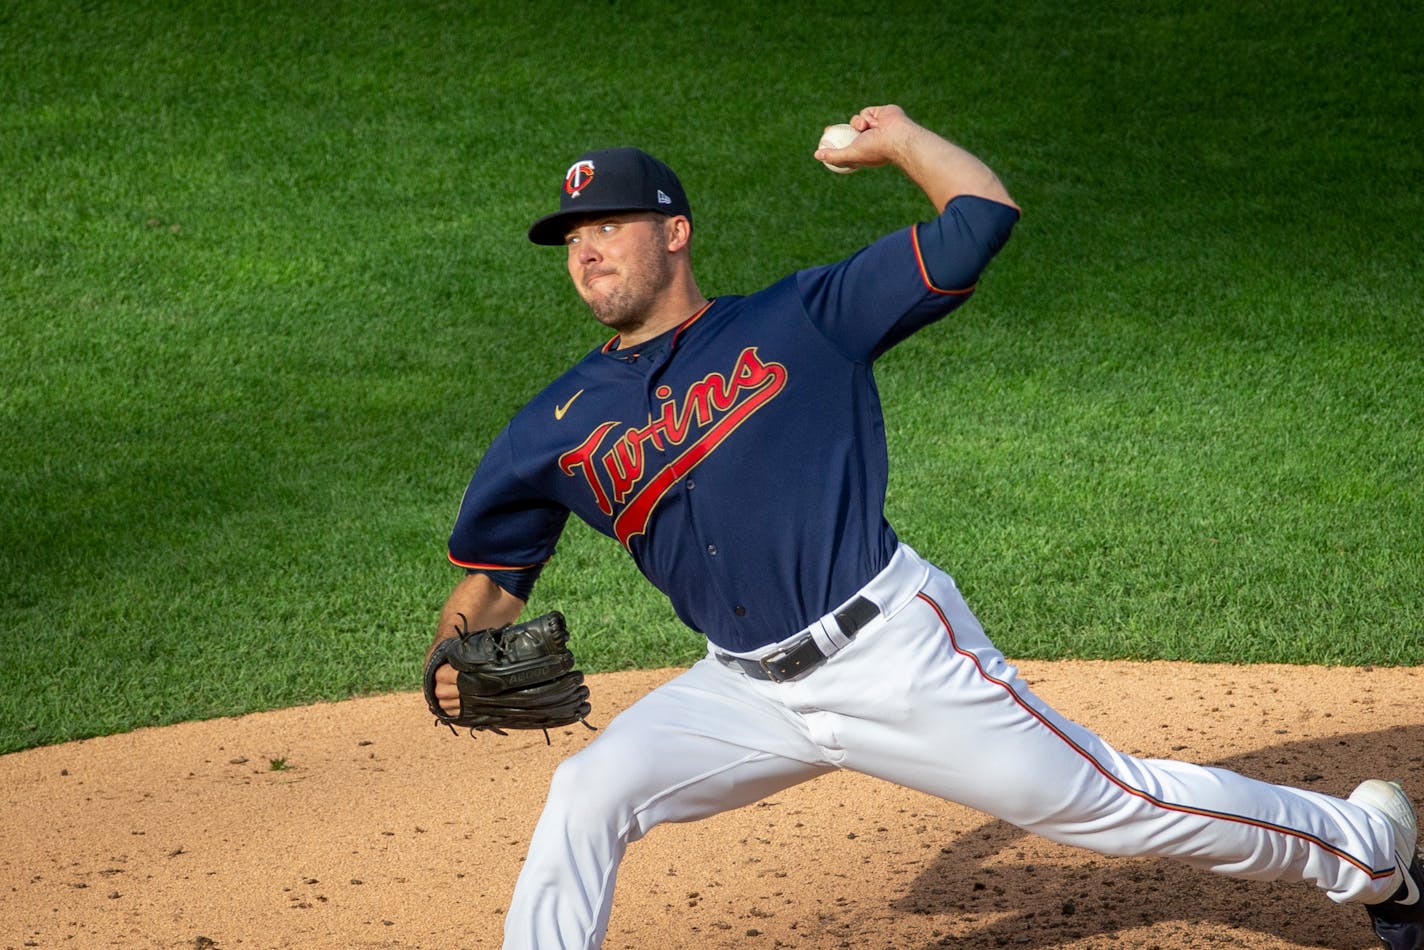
469,566
690,321
924,272
676,333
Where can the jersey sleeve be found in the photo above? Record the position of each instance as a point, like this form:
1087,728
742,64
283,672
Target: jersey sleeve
878,296
505,528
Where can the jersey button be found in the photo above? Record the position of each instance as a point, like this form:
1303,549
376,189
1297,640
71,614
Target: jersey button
739,610
691,484
712,549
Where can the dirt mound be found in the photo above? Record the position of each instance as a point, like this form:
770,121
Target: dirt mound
360,825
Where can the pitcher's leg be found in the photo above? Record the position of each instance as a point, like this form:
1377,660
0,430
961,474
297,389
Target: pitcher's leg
958,722
689,749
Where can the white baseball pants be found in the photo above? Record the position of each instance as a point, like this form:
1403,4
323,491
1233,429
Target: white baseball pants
921,698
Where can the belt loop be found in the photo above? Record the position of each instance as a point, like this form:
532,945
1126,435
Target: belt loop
829,635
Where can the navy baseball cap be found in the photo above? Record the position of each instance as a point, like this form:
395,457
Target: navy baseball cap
609,180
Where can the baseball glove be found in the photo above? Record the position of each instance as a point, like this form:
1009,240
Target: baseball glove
519,676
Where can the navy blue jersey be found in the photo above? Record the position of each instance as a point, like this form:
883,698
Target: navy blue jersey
740,458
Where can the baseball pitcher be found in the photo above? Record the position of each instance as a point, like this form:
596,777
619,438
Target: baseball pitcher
735,448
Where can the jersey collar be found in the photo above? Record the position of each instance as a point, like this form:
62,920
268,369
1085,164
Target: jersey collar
667,339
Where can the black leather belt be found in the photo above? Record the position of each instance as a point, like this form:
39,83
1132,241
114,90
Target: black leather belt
804,654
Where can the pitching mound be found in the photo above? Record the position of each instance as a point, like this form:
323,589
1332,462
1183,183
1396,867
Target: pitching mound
360,825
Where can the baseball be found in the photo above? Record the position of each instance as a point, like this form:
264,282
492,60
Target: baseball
838,136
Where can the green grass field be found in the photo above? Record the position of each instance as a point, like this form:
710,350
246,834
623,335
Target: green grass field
265,296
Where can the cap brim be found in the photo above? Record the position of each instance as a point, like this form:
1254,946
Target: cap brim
551,229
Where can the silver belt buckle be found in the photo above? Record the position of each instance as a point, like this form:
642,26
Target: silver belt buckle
772,674
794,660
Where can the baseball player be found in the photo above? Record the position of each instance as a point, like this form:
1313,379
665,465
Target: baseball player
735,448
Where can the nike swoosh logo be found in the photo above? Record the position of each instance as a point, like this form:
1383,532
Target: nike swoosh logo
560,410
1412,889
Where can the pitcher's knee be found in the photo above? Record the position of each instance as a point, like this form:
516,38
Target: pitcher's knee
592,789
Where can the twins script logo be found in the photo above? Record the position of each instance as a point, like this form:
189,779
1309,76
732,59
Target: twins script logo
710,411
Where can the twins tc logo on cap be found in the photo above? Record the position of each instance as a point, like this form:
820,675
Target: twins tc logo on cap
628,180
579,175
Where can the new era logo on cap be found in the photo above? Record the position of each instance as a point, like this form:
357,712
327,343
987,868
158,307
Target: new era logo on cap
612,180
